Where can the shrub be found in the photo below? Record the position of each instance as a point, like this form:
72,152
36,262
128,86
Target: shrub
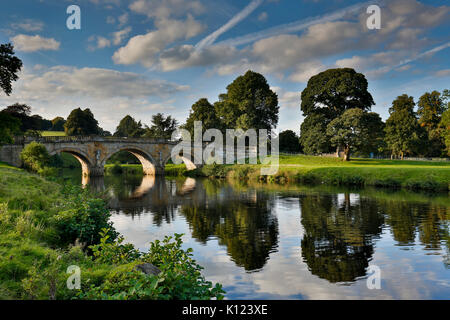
180,276
82,217
35,157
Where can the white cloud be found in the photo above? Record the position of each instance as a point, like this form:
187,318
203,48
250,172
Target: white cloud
304,71
287,99
120,35
163,9
263,16
443,73
144,49
123,19
29,25
27,43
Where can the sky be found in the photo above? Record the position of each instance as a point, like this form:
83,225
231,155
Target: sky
141,57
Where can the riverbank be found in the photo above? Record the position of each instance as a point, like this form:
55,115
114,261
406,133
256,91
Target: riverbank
413,175
46,227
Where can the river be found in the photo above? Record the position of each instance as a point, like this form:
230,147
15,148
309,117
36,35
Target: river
268,241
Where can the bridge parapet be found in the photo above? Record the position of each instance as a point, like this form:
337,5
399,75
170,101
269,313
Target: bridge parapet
84,139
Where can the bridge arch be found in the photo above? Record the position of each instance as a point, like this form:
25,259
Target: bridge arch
186,158
149,165
86,163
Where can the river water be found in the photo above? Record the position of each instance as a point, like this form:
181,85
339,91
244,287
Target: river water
294,242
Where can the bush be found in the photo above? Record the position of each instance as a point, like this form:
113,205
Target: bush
35,157
117,169
180,277
82,217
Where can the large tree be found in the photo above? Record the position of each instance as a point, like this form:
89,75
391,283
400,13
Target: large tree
21,112
81,122
161,127
289,142
356,130
430,109
9,126
58,124
402,128
327,96
445,125
205,112
10,65
248,104
128,127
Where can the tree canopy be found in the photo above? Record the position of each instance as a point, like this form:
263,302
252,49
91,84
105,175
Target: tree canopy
355,129
162,127
9,126
402,128
205,112
248,104
327,96
128,127
10,65
289,142
81,122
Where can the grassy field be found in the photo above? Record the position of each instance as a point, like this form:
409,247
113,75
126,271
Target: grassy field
425,175
53,133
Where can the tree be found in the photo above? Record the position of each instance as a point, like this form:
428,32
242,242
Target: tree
313,136
205,112
430,109
248,104
402,128
22,113
327,96
58,124
128,127
445,125
352,130
162,127
35,157
10,65
81,122
289,142
9,126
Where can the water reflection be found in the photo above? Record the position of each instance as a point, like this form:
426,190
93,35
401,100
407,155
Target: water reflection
332,235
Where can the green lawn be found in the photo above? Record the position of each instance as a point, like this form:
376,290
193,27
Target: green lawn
428,175
53,133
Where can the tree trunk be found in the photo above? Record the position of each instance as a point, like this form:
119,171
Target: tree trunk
402,155
346,153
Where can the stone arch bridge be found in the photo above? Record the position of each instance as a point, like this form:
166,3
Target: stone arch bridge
93,152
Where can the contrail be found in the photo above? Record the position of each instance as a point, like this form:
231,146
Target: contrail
296,26
408,61
209,40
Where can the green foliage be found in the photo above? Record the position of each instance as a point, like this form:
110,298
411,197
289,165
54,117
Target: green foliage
180,276
58,124
327,96
81,122
10,66
35,157
82,217
402,128
355,129
9,126
248,104
289,142
205,112
162,127
117,169
312,135
128,127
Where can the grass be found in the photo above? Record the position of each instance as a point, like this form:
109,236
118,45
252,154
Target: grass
53,133
414,175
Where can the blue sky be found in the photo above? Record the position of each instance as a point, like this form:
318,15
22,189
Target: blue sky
140,57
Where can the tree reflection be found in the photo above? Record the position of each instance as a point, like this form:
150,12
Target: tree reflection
243,222
338,241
